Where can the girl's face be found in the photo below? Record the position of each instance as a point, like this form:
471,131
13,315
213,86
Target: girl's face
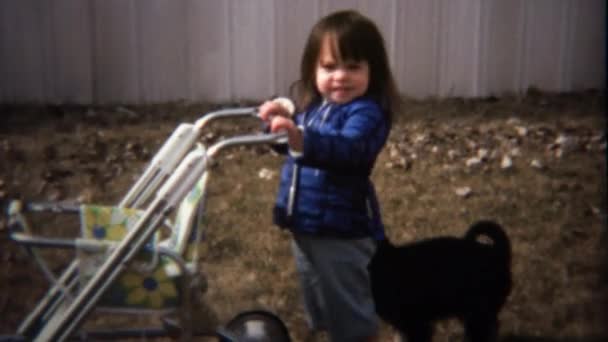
339,81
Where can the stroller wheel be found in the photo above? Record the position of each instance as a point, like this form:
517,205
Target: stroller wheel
254,326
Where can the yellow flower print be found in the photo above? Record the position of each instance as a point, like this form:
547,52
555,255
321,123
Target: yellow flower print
107,223
153,291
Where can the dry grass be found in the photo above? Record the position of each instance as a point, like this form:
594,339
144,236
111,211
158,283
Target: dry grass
554,214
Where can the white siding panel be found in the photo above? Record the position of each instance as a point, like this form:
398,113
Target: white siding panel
294,20
416,47
71,70
25,60
252,49
502,34
542,46
587,46
116,54
384,14
162,48
328,6
459,47
6,52
208,50
146,51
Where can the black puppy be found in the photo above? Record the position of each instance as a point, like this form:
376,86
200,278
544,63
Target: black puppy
419,283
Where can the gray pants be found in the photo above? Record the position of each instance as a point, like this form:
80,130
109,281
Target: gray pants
335,285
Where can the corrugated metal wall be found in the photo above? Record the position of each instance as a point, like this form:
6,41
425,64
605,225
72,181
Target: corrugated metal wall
143,51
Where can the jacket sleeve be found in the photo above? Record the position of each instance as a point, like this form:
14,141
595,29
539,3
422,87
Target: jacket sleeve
355,145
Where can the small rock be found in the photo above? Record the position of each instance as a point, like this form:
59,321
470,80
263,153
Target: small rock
515,152
55,194
394,152
472,162
483,153
537,164
513,121
251,277
208,137
130,114
567,143
402,162
506,162
266,174
452,154
559,153
598,138
85,196
521,131
420,138
463,191
449,167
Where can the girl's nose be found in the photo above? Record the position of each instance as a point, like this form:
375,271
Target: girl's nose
340,73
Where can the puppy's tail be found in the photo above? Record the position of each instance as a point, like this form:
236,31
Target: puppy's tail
496,233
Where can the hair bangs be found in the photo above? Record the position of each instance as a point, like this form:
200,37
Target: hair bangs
348,44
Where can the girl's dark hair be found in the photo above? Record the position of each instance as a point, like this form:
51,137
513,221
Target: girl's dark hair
357,38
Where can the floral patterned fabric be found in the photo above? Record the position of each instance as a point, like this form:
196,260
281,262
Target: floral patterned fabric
133,289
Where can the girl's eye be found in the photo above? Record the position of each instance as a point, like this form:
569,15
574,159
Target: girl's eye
328,66
353,66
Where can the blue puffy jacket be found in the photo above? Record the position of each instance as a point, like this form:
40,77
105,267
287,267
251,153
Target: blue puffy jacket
327,190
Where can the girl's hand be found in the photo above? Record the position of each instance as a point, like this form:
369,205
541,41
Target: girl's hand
278,107
294,135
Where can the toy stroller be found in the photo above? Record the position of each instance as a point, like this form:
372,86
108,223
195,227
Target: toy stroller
123,262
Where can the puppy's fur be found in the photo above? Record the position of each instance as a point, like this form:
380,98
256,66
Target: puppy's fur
447,277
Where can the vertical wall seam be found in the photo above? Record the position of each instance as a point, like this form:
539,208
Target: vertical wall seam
93,56
477,57
436,11
231,58
50,82
568,13
273,53
188,92
140,92
393,33
523,44
485,12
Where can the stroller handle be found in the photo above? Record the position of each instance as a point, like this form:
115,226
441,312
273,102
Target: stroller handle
253,139
194,165
225,113
173,151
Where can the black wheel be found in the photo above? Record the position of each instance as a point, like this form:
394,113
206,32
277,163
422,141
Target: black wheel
255,326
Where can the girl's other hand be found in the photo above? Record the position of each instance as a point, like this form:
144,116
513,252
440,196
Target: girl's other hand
285,124
277,107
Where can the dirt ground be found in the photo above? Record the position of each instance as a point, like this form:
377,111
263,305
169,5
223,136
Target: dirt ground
535,163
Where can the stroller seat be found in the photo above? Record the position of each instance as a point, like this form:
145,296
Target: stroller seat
153,282
152,285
